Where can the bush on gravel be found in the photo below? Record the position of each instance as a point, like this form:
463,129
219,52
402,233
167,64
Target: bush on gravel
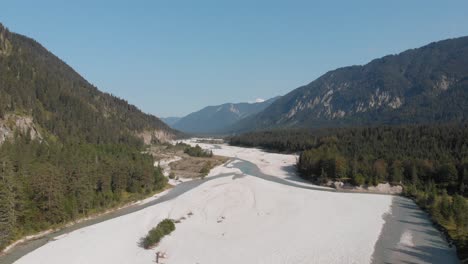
155,235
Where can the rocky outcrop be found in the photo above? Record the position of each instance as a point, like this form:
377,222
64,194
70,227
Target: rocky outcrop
12,123
153,136
5,44
383,188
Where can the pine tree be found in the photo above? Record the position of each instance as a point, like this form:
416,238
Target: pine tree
380,170
446,207
7,201
323,176
340,167
396,173
460,211
414,174
448,174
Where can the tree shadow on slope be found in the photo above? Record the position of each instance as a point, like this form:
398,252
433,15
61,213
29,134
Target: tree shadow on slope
425,254
429,244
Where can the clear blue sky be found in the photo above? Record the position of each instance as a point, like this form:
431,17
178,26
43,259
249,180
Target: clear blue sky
173,57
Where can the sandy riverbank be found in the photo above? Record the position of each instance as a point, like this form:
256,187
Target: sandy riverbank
236,218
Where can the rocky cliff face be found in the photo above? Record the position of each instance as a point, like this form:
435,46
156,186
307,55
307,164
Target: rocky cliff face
428,84
5,44
10,124
152,136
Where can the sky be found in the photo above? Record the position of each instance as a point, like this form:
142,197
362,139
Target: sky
172,57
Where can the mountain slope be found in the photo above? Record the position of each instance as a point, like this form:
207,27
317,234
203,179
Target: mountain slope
171,120
66,149
424,85
213,119
35,83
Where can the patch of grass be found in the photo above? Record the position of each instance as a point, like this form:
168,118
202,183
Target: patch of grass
190,167
206,169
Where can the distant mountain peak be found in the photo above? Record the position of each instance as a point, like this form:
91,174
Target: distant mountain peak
215,119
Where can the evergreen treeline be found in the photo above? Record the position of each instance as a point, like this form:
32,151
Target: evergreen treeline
281,140
430,161
197,151
44,184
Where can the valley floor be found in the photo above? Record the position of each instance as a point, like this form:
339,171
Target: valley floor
254,209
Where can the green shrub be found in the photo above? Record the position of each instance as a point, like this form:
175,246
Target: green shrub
154,236
172,175
206,169
359,179
166,226
197,151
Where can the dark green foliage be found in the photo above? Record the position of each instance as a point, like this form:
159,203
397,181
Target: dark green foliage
281,140
206,169
197,151
396,172
166,226
407,154
423,141
358,179
379,170
445,207
7,201
155,235
48,184
460,213
172,175
447,173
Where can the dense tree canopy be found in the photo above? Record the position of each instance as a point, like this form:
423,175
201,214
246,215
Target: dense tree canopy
197,151
47,184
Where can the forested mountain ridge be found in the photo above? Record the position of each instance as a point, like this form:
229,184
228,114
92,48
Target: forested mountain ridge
67,150
423,85
218,118
34,82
